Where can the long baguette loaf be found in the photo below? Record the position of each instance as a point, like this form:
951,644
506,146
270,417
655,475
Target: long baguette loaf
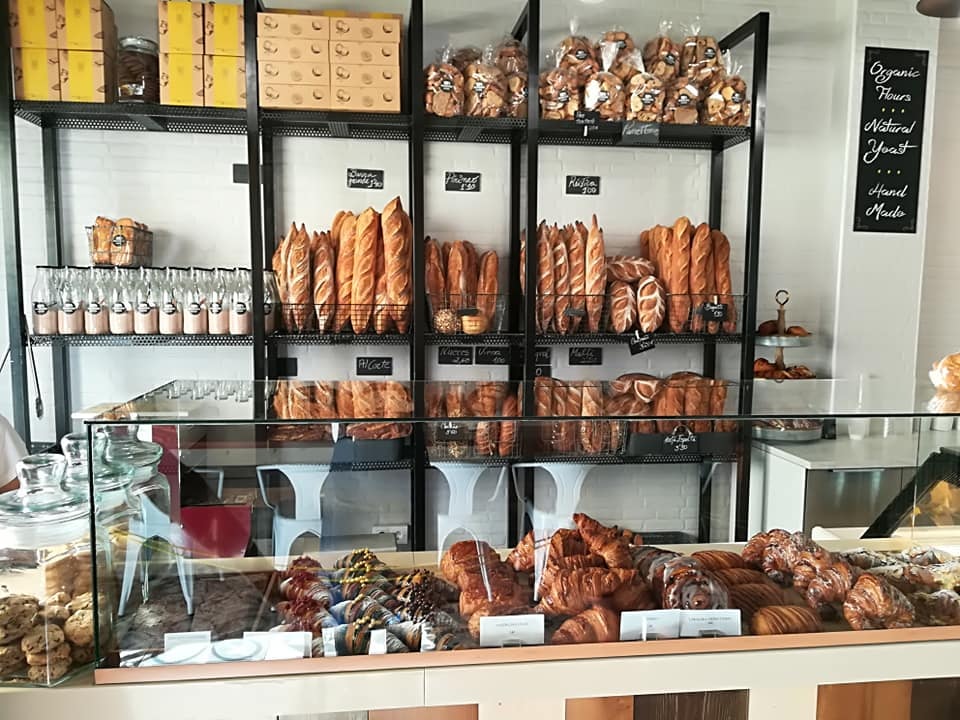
363,290
564,434
651,304
279,265
508,429
628,269
300,281
487,285
471,270
701,265
577,257
591,431
623,307
573,408
456,276
561,288
660,250
678,276
345,251
382,319
486,437
718,402
345,399
696,401
335,227
545,279
721,261
324,282
669,403
435,274
543,406
398,259
596,262
645,246
433,400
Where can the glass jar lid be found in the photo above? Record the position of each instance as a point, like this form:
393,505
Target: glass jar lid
106,476
41,500
139,44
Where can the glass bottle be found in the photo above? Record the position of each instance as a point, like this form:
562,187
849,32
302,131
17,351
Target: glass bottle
218,304
96,313
70,313
121,303
43,298
171,305
241,305
146,317
271,301
195,303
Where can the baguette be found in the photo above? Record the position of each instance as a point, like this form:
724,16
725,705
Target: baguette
363,290
573,407
596,274
397,235
508,429
471,270
434,274
523,261
701,265
335,227
345,399
543,406
576,256
721,261
669,403
651,304
561,273
300,280
279,265
382,319
564,433
696,402
645,247
623,307
545,279
591,431
324,282
346,243
718,402
628,269
486,437
678,276
456,275
487,285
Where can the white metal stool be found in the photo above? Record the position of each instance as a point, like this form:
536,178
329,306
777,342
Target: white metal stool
307,482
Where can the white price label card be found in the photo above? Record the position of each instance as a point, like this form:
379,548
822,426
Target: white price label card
511,630
329,642
710,623
282,645
185,648
649,624
378,642
172,641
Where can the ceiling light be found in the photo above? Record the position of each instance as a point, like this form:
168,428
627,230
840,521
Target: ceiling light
939,8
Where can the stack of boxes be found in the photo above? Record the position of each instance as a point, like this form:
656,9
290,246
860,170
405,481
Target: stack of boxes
64,50
329,61
201,54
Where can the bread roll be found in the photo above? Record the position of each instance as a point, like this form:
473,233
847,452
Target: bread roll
363,288
545,279
434,274
701,265
721,261
596,276
345,252
623,307
651,304
487,285
576,256
678,276
324,282
397,234
561,274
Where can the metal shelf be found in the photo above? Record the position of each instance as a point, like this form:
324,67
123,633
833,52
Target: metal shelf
347,125
132,117
338,339
653,459
500,339
472,129
142,340
685,137
405,464
624,338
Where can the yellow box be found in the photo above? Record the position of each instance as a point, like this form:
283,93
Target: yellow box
181,79
36,74
295,97
86,25
364,53
33,23
379,76
294,73
293,25
224,81
180,27
87,76
286,49
365,99
365,29
223,29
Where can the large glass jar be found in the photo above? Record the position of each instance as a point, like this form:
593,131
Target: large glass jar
138,70
46,603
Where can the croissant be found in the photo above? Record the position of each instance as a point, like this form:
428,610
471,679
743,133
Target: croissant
875,603
409,633
497,587
603,541
565,543
784,620
942,575
576,562
939,608
830,586
568,592
596,624
810,564
521,558
719,559
466,557
751,597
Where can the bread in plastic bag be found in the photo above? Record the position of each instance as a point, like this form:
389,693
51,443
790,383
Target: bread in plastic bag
444,90
578,55
945,374
465,56
485,87
517,95
604,91
700,56
645,96
559,89
511,56
624,67
681,102
725,101
661,55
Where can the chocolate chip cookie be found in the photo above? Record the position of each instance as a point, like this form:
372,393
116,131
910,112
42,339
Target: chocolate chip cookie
38,639
79,627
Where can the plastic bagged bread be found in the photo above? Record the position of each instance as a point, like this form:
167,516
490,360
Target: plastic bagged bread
511,56
661,55
681,102
517,95
700,56
945,374
578,55
624,67
485,87
444,91
465,56
559,89
645,96
726,100
604,91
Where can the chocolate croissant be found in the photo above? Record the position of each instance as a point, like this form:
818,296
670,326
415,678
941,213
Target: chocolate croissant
939,608
874,603
568,592
521,558
596,624
784,620
603,541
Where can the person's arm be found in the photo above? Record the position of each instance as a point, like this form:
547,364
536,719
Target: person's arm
12,451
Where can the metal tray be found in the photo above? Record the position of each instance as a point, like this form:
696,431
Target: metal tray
775,435
784,341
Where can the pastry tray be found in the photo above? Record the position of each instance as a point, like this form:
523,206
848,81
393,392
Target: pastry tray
784,341
797,435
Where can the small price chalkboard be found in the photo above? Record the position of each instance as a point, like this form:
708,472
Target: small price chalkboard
585,356
575,312
461,182
455,355
641,343
583,184
640,133
374,366
681,442
543,371
714,311
363,179
587,118
452,432
492,356
542,356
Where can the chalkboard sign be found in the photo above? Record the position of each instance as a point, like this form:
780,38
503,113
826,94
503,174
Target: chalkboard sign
641,343
452,432
587,118
492,355
714,311
583,184
585,356
543,371
361,179
461,182
640,133
891,140
542,356
455,355
374,366
681,442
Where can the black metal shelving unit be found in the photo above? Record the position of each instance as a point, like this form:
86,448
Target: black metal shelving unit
261,127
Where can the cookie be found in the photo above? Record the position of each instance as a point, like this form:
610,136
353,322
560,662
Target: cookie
60,598
13,602
15,623
44,674
10,656
40,638
83,601
50,657
79,628
56,614
82,654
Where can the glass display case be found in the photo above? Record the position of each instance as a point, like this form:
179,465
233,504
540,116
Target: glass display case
278,521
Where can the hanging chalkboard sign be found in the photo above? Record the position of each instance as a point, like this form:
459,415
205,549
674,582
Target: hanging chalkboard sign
891,140
583,184
485,355
585,356
374,366
455,355
461,181
363,179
